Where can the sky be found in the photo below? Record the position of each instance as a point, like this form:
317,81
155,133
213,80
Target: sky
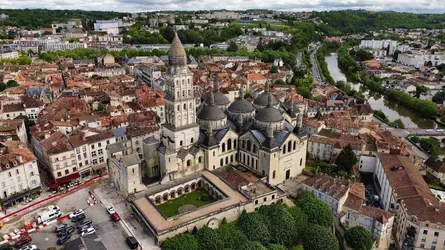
415,6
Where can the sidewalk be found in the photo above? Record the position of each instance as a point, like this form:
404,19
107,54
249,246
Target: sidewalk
107,195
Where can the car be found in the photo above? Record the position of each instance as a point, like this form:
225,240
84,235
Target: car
54,207
76,213
115,217
78,217
67,230
111,210
440,130
63,239
60,227
132,242
30,247
429,130
82,229
23,241
88,231
86,222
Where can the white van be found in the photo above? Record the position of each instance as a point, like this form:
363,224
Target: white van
48,216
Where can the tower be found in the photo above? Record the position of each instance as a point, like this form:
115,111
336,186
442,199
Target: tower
180,129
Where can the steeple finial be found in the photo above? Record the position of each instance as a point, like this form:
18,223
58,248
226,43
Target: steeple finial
269,100
241,93
215,84
212,98
267,88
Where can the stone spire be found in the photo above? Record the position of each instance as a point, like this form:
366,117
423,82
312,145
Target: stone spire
267,88
215,84
176,54
269,99
212,98
241,93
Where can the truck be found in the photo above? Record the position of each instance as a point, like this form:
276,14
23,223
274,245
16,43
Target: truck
47,216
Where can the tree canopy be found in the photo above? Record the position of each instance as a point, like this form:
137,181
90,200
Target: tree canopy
181,242
208,239
316,210
346,159
281,224
319,238
254,226
358,238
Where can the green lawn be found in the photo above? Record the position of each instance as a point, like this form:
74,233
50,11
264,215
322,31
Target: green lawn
170,208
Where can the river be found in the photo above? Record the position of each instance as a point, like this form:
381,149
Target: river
378,102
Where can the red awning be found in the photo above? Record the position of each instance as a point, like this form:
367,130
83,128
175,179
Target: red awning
67,178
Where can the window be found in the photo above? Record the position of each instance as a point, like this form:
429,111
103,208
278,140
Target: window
301,162
78,150
256,202
9,173
200,159
223,147
93,153
100,151
425,232
17,171
213,153
74,169
191,140
80,164
295,145
273,174
31,173
248,145
99,144
67,171
436,234
95,161
108,142
273,196
265,199
422,245
189,163
86,162
221,162
101,159
229,144
132,170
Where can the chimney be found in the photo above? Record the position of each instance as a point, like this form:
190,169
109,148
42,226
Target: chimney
19,158
54,143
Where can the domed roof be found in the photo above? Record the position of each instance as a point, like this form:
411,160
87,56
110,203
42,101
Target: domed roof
241,106
211,113
220,99
261,100
269,113
176,54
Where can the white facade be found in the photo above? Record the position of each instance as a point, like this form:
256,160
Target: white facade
420,60
9,55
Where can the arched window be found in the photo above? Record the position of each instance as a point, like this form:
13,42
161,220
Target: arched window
190,105
189,162
295,145
301,161
179,108
189,92
177,94
185,106
273,174
244,158
182,81
200,159
177,82
234,143
284,149
229,144
188,81
221,162
243,143
231,158
227,160
191,140
223,147
254,148
248,160
183,93
248,145
289,146
180,143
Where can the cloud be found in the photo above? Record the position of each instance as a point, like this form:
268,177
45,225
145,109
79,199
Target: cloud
416,6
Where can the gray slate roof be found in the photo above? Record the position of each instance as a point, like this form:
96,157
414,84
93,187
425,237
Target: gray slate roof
241,106
262,100
220,99
269,114
211,113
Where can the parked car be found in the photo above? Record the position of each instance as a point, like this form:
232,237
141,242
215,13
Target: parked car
78,217
66,231
88,231
23,241
82,228
60,227
29,247
6,247
86,222
440,130
111,210
76,213
63,239
132,242
115,217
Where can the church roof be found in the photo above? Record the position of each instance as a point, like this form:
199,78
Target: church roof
262,99
211,113
269,114
176,54
220,99
242,106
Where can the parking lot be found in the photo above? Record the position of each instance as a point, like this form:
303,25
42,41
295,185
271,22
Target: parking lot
111,233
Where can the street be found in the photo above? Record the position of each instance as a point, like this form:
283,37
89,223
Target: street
315,70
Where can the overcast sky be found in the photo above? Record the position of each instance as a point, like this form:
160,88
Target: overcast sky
416,6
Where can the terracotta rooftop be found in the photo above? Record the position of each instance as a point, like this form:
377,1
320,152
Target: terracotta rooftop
334,187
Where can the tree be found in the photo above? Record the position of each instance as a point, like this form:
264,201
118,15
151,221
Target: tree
232,47
397,124
358,238
430,145
346,159
273,69
304,196
381,115
300,220
316,210
208,239
281,224
254,226
276,247
11,83
230,236
252,245
181,242
415,139
439,97
420,90
3,86
319,238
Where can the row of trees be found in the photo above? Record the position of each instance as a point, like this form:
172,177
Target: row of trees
430,145
22,60
425,107
272,227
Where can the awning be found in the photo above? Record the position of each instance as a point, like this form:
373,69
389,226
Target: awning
68,178
21,195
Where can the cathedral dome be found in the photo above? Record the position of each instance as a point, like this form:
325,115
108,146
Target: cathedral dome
263,99
176,54
269,114
220,99
211,113
241,106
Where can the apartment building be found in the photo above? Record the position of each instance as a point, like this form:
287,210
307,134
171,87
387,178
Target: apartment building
19,174
347,201
13,130
420,218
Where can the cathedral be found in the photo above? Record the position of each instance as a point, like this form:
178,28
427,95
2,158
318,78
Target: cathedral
264,136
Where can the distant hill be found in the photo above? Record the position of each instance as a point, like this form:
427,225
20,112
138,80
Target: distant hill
41,18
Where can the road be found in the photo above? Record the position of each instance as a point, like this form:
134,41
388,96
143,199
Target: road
315,69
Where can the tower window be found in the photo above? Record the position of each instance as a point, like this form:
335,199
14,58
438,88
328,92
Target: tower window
179,109
185,106
189,162
191,140
180,143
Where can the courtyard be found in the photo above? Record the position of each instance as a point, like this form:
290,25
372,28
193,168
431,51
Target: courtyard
186,203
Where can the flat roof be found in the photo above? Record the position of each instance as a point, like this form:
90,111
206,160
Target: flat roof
159,223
